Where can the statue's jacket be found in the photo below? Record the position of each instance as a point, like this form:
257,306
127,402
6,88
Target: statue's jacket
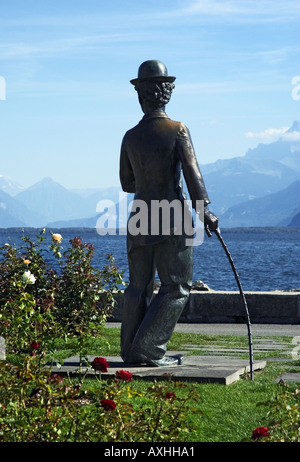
154,154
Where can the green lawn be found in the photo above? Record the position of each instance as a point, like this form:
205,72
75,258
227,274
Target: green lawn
223,413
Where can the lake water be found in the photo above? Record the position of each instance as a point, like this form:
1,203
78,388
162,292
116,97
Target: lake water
265,258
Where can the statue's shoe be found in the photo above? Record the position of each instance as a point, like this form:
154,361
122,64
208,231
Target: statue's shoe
166,361
139,360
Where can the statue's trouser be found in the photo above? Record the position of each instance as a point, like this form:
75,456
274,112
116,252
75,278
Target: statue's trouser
148,323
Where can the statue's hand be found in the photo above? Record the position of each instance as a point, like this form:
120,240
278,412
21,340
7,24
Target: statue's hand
211,222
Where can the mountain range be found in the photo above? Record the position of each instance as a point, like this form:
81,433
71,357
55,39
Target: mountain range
261,188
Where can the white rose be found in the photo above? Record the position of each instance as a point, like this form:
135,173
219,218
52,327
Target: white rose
57,238
28,277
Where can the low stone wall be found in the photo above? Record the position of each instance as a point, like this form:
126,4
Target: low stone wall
275,307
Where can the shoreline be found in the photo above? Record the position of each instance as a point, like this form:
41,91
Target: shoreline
209,306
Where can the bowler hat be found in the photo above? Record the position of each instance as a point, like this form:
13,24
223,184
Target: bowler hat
153,70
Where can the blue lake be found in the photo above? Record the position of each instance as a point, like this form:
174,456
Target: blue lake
265,258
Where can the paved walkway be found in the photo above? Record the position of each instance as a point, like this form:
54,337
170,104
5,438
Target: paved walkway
216,364
289,330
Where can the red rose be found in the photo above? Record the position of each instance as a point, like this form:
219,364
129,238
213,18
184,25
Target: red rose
259,432
124,375
100,364
34,345
55,378
170,395
108,404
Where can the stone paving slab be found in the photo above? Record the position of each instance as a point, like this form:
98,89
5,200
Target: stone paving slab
289,377
217,364
202,369
262,341
261,346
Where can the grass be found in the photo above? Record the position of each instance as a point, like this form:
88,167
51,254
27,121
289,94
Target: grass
224,413
108,344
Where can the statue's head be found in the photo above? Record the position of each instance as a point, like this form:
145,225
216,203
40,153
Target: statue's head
154,85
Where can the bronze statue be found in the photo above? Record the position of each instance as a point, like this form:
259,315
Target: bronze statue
153,154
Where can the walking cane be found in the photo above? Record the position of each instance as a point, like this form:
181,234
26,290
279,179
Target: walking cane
217,232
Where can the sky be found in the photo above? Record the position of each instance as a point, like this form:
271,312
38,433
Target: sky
65,66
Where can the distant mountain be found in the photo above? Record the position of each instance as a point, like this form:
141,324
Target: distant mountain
260,188
94,196
75,223
15,214
111,207
54,202
261,171
277,209
295,220
49,203
9,186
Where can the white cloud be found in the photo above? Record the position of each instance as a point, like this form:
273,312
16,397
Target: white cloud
216,7
17,50
278,55
248,9
271,134
267,134
291,136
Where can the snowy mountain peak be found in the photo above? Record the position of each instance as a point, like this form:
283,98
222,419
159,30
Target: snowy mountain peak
295,127
293,133
9,186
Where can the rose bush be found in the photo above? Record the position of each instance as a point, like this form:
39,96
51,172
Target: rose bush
283,417
40,302
38,406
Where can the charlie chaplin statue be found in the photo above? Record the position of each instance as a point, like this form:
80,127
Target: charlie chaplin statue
153,155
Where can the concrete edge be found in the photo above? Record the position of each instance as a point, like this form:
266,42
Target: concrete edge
275,307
